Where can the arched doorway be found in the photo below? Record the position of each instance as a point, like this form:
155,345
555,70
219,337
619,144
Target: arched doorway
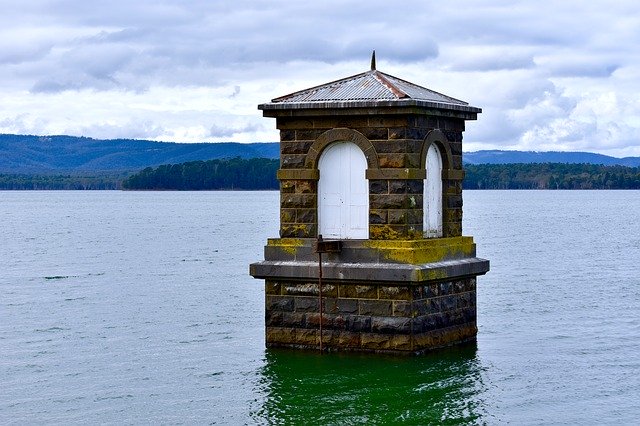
432,196
343,192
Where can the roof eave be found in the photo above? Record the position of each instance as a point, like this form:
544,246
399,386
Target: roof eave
283,106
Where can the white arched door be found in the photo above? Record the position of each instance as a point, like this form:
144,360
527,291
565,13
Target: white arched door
343,192
432,215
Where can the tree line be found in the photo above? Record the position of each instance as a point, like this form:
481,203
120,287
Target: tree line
59,182
550,176
235,173
260,173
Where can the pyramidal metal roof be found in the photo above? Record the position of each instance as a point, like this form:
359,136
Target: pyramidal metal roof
368,89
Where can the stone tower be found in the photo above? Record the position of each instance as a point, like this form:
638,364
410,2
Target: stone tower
372,163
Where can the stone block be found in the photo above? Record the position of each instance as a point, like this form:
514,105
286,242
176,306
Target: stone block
305,187
306,216
292,161
287,215
391,325
397,217
307,337
400,343
448,303
298,231
308,134
393,160
398,133
394,292
347,306
306,304
390,146
445,288
403,309
281,335
377,216
374,341
375,307
387,121
272,287
293,319
297,147
414,217
391,201
286,135
287,187
378,186
273,318
297,201
279,303
300,289
358,323
454,201
374,133
351,291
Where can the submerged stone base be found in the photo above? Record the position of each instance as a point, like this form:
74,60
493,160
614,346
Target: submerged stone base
375,299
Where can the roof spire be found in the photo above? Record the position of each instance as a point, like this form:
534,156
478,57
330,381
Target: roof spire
373,61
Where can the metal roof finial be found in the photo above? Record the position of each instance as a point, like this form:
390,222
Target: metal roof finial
373,61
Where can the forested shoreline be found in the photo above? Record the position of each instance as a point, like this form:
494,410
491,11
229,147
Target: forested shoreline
260,174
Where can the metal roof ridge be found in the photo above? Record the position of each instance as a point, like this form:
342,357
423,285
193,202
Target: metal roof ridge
389,85
424,88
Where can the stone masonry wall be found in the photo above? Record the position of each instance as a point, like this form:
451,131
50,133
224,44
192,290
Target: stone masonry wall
366,316
395,188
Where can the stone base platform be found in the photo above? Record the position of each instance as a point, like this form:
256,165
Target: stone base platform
381,303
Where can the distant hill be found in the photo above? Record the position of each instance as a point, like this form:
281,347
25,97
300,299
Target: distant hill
69,154
527,157
53,154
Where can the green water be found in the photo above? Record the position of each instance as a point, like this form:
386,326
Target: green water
310,388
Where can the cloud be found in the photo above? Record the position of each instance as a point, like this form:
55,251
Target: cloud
546,73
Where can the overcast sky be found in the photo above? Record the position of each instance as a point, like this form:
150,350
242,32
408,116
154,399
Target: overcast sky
548,74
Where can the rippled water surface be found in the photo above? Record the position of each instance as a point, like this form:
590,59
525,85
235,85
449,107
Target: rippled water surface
137,307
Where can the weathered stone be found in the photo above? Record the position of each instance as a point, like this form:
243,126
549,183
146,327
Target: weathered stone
394,292
357,323
273,318
392,160
293,319
403,309
374,133
350,291
308,134
375,307
292,161
391,325
287,186
279,303
377,216
273,288
397,217
297,231
287,215
306,216
306,304
378,186
300,289
286,135
445,288
305,187
298,201
390,146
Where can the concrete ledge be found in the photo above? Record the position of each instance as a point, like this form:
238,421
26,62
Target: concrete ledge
387,272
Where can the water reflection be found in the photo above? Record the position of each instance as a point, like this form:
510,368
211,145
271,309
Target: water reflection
444,387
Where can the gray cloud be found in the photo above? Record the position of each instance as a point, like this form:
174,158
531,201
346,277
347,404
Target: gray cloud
539,69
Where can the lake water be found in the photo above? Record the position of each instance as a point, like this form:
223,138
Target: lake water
137,308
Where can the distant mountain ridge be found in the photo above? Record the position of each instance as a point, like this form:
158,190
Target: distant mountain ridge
528,157
69,154
51,154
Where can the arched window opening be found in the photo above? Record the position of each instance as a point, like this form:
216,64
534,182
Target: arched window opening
343,192
432,196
